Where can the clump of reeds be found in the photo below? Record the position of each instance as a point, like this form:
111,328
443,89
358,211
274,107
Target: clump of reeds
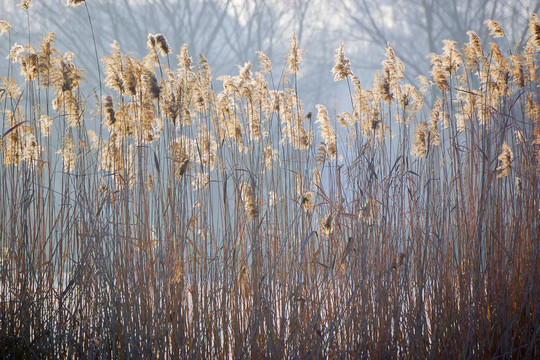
174,221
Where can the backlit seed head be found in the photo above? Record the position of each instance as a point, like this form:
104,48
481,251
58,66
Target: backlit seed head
162,44
295,56
326,224
67,152
505,159
45,123
534,30
200,181
342,64
25,4
248,198
265,63
307,201
151,43
495,28
473,50
4,27
74,2
327,131
184,60
419,146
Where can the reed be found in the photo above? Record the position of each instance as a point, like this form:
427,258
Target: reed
174,221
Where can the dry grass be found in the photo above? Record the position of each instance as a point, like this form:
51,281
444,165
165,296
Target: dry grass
177,222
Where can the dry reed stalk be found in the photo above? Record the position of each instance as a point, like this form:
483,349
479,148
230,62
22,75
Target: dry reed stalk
190,227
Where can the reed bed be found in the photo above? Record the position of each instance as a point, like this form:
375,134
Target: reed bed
160,218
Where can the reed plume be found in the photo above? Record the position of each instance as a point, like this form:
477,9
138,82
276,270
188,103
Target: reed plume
74,2
326,224
534,31
4,27
248,198
495,29
505,159
295,56
327,131
342,65
25,4
184,219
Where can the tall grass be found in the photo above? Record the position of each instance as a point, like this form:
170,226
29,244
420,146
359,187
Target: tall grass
174,221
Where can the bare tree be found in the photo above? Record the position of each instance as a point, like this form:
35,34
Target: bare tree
227,32
417,27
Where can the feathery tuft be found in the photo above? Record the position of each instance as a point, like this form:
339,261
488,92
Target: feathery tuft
264,61
295,56
495,28
327,131
326,224
534,31
25,4
4,27
162,44
74,2
342,64
505,159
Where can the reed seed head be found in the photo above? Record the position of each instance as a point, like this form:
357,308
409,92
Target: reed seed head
151,43
45,123
534,30
495,28
264,61
25,4
505,159
473,50
10,87
160,42
326,224
419,146
30,149
67,152
439,72
307,201
4,27
108,107
295,56
327,131
184,60
250,206
74,2
342,64
367,212
201,180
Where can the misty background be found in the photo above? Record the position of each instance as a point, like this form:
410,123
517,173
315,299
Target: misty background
228,32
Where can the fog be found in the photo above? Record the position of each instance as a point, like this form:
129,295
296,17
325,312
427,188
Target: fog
151,210
228,32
